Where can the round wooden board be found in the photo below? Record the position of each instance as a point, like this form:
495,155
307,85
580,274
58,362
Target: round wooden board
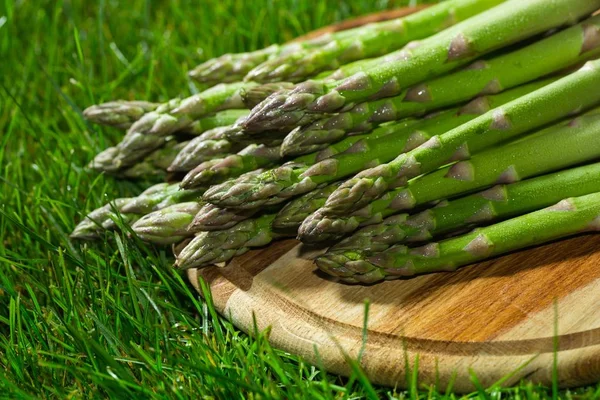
497,318
506,319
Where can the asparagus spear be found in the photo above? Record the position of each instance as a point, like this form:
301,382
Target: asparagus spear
120,114
540,107
220,119
386,129
290,217
101,219
220,246
155,197
149,132
168,225
230,67
218,170
233,67
494,204
166,195
295,178
372,40
155,164
566,218
104,161
236,134
255,95
554,148
213,218
498,27
286,222
198,151
554,53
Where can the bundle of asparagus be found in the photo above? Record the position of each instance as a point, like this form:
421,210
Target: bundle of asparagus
473,113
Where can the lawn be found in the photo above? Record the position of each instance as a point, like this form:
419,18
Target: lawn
112,319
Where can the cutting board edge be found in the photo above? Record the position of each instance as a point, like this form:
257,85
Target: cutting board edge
576,367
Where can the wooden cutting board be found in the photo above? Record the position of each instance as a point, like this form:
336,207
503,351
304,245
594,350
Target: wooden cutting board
510,318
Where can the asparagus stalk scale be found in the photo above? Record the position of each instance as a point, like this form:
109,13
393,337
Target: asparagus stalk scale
497,203
498,27
545,105
554,148
561,50
296,178
566,218
370,41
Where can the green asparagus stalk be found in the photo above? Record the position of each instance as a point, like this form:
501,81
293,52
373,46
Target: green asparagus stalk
558,147
554,53
372,40
198,151
543,106
101,219
129,209
355,67
220,119
220,246
290,217
386,129
168,194
168,225
156,164
566,218
497,203
498,27
213,218
149,132
217,170
255,95
104,161
231,67
236,134
296,178
120,114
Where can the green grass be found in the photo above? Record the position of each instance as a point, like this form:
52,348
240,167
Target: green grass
111,319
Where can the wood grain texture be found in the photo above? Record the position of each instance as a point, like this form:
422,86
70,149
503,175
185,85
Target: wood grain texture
497,318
